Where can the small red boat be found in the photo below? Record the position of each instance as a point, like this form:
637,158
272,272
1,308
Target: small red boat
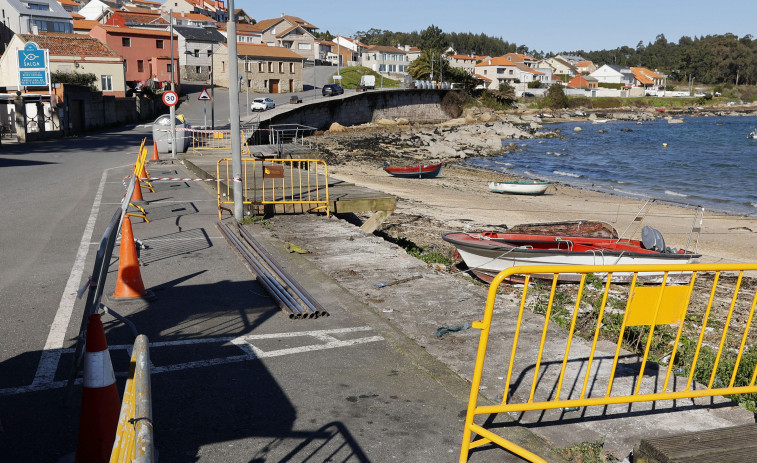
419,171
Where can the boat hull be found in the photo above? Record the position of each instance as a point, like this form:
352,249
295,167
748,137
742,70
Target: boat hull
419,171
486,258
519,188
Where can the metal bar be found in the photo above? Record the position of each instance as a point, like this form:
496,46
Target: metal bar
284,300
144,448
285,276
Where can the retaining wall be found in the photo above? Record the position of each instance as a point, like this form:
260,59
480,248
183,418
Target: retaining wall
364,107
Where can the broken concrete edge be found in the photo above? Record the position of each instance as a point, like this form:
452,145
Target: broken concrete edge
455,385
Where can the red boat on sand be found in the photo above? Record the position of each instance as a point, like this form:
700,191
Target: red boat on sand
419,171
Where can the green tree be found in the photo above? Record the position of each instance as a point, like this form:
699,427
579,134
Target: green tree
428,63
432,38
556,98
86,79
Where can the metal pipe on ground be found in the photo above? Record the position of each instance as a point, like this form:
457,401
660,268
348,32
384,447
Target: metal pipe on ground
283,299
283,274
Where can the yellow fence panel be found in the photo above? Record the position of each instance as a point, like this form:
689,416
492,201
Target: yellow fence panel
276,182
669,341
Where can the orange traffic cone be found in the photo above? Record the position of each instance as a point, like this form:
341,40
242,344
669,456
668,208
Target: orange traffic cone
155,151
129,283
100,404
136,196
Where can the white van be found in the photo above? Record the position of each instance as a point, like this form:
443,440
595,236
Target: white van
368,82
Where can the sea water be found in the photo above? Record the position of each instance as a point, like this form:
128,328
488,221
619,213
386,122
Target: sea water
706,161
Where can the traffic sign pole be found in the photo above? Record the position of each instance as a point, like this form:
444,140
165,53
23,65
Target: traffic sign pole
205,113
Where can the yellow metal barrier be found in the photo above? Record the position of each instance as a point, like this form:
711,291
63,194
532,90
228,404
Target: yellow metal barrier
562,367
216,140
276,182
134,437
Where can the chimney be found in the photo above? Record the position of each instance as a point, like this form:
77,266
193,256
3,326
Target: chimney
282,15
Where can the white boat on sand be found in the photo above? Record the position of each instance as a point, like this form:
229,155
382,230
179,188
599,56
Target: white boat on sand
519,188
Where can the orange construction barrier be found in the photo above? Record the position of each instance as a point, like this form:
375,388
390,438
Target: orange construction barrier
100,404
155,156
129,283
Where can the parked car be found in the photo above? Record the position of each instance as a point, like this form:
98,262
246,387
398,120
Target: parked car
262,104
331,90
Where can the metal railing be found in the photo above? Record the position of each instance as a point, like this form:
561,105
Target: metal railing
277,182
209,140
705,329
134,434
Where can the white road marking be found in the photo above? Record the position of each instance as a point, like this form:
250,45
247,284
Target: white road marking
48,363
324,340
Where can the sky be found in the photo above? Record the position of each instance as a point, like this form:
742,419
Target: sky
553,26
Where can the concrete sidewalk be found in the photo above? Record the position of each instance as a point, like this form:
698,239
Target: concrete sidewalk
234,379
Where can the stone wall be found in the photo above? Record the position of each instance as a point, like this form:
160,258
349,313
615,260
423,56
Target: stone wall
364,107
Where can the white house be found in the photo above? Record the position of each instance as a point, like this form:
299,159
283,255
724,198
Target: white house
500,70
613,74
464,62
73,54
388,61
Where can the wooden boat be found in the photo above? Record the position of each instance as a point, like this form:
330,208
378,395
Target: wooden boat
419,171
488,253
519,188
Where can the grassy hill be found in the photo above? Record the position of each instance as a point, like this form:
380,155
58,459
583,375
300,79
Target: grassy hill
351,77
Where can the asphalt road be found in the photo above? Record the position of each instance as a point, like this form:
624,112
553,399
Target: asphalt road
200,113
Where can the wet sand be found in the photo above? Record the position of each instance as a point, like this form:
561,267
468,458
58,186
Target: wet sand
459,199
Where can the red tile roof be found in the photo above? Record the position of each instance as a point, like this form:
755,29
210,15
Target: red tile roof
133,31
140,17
497,61
193,16
264,51
70,44
463,57
479,76
385,49
68,2
85,24
76,15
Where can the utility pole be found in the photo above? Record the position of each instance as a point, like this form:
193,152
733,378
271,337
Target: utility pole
172,112
236,138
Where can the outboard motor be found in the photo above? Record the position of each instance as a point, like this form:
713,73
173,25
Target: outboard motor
652,239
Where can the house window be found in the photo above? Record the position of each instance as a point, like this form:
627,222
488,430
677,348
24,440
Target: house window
281,67
260,66
303,46
197,69
125,41
140,65
270,66
106,83
159,44
197,53
210,53
37,6
291,68
169,68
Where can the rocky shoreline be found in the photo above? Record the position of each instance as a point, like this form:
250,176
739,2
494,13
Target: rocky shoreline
459,198
478,132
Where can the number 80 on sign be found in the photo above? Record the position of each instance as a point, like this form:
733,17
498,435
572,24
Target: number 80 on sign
170,98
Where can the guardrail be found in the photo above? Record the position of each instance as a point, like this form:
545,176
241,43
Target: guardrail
563,368
134,434
276,182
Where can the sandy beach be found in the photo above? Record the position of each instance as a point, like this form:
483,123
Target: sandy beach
459,199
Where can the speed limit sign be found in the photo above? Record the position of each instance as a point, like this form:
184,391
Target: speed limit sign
170,98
